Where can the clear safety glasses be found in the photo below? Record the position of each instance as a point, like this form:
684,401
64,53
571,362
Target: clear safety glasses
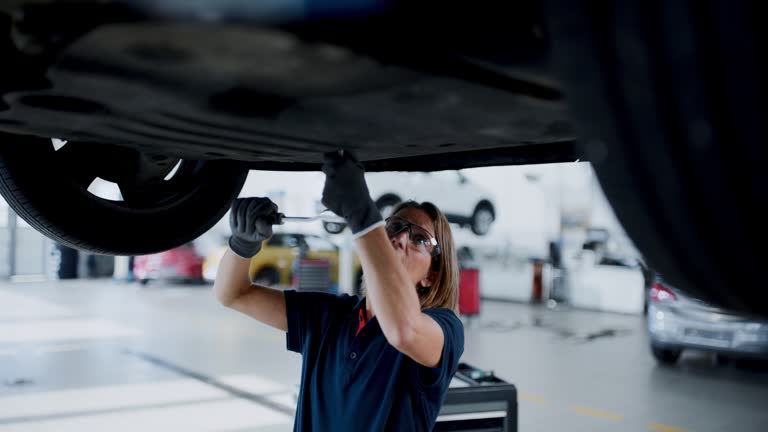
421,239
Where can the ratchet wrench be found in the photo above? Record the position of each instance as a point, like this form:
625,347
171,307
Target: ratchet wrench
324,215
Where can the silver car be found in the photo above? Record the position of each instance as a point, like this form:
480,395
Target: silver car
677,321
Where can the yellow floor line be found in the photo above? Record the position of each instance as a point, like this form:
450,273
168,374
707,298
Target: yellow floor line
596,413
532,398
664,428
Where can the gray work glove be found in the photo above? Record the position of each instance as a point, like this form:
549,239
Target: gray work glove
346,193
251,221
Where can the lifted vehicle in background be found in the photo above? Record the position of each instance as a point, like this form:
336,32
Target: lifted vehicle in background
174,101
677,322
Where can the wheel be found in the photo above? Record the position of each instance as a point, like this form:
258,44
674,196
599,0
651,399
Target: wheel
386,204
665,355
267,277
161,209
668,102
482,219
334,227
723,359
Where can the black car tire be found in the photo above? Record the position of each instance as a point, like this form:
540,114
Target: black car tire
482,218
669,102
49,191
667,356
723,359
267,276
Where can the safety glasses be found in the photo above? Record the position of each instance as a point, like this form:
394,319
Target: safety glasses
421,239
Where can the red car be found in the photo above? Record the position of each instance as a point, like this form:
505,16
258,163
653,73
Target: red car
181,264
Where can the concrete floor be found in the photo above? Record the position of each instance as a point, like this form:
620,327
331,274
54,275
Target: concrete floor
98,355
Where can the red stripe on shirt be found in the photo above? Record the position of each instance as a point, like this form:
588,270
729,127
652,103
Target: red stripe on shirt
362,322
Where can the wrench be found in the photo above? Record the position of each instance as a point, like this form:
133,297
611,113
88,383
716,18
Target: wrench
281,219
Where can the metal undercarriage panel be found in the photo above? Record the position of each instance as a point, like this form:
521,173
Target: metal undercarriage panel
269,97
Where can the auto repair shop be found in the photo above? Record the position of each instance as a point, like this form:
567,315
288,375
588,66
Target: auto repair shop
147,344
207,219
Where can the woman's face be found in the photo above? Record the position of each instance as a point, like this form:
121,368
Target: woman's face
416,262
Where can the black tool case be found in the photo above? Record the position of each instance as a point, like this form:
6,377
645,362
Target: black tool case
477,401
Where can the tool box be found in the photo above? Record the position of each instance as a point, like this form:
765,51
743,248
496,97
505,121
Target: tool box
477,400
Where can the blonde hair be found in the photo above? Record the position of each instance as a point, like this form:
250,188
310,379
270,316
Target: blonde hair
444,292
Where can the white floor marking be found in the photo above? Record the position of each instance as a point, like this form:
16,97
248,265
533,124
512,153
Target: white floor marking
17,306
63,329
72,401
229,414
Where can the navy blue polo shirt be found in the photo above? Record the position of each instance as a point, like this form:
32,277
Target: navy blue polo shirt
360,382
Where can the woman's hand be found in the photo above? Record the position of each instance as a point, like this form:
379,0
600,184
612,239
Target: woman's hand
346,193
251,221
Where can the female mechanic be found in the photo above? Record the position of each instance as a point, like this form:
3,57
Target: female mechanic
382,362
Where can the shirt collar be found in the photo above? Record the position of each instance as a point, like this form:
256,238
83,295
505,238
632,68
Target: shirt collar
360,304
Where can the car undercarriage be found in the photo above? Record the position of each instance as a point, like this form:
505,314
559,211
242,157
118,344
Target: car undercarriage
665,100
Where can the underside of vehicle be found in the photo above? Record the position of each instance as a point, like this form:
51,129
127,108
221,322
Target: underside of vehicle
406,95
175,100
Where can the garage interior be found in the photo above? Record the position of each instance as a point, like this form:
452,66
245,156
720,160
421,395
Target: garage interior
97,345
600,166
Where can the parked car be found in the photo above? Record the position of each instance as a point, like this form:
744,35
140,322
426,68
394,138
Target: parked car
174,101
677,322
463,202
181,264
274,264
